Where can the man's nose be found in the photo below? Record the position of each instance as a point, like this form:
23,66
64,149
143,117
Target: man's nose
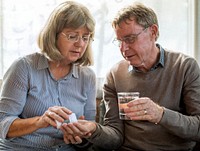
124,46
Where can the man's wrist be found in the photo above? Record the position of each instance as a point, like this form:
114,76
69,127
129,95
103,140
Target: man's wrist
161,112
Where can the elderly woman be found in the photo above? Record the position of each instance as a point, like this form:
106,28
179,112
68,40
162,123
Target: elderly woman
42,88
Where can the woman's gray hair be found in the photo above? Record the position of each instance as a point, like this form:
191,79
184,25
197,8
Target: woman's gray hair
67,15
142,15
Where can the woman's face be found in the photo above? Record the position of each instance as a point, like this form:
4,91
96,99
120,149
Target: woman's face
72,43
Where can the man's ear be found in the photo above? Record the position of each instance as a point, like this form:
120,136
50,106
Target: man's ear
154,31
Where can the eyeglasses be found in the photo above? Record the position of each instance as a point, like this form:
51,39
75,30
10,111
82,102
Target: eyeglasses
128,39
76,37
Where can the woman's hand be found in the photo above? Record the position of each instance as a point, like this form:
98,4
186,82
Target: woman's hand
74,132
70,139
21,127
53,114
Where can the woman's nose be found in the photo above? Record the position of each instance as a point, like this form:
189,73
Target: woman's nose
80,42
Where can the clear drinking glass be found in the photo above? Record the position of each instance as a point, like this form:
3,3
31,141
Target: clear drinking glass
123,99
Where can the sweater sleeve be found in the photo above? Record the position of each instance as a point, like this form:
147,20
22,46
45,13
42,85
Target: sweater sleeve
110,134
186,125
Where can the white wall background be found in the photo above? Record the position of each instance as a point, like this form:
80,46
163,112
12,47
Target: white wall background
21,21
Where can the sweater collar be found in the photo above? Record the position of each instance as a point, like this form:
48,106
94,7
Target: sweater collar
160,62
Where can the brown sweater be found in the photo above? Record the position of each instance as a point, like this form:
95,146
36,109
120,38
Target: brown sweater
176,86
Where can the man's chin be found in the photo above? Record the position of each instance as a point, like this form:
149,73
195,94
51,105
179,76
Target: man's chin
136,64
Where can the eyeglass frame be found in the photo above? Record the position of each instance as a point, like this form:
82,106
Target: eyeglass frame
77,38
118,42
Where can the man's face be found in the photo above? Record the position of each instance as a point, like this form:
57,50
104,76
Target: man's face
136,42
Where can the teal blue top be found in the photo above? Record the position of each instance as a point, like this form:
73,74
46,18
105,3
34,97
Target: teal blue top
29,89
